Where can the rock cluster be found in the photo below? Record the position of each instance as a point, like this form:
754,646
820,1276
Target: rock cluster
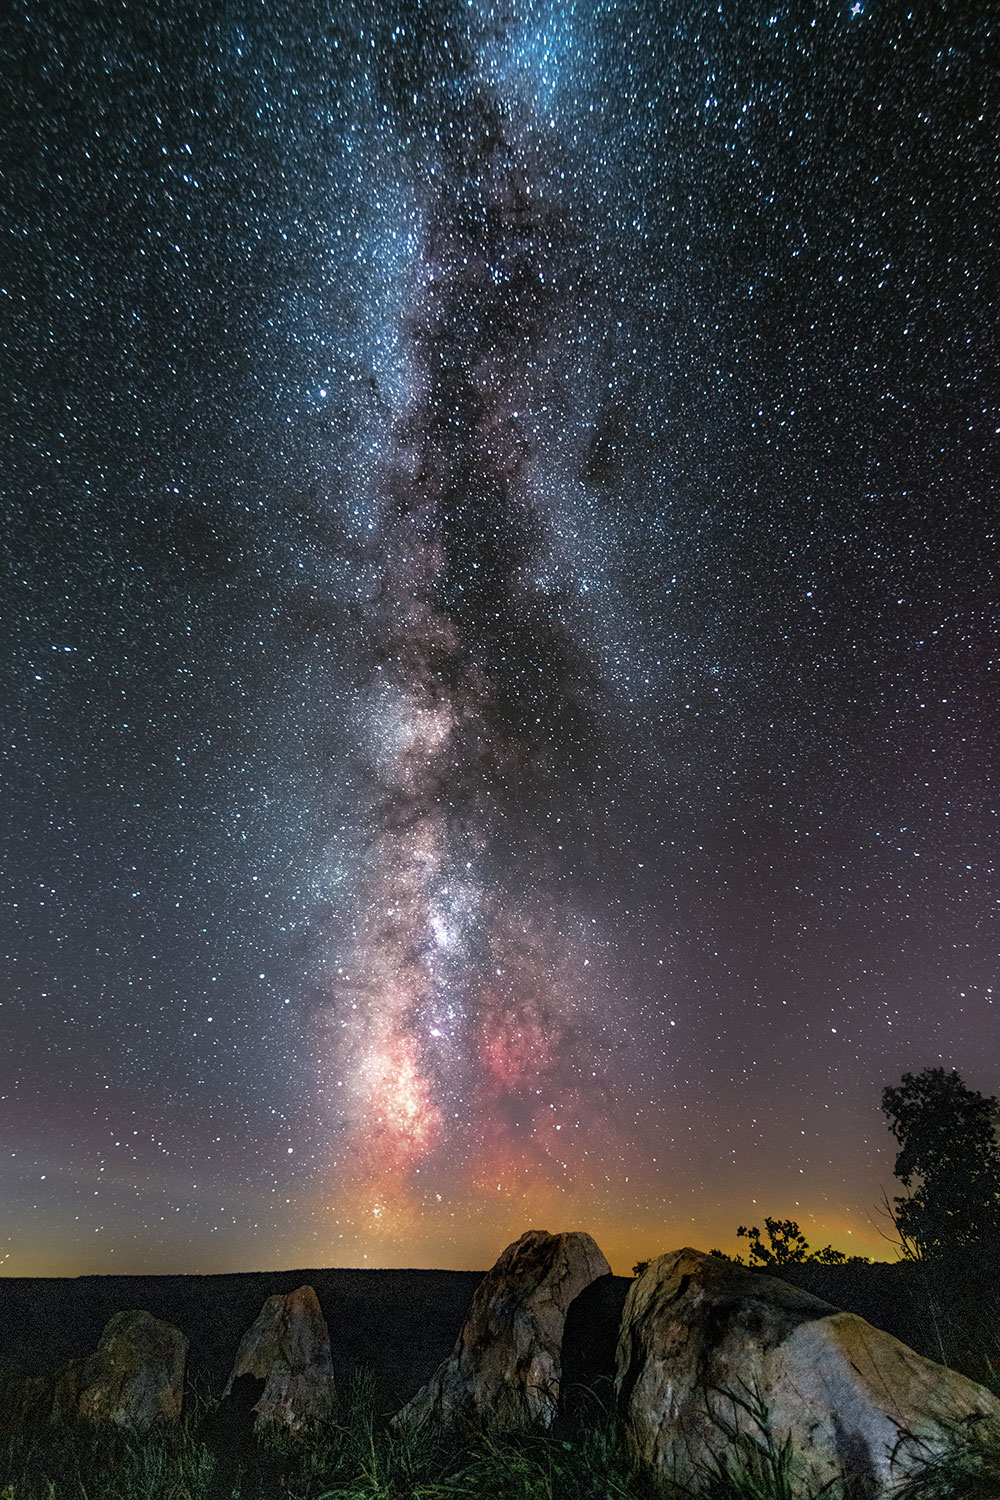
282,1376
716,1365
711,1367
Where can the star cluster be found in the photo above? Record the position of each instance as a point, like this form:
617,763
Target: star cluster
499,556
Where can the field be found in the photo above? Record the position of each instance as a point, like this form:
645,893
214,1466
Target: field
389,1330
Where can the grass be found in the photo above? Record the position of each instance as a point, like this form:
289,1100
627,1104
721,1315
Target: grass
752,1465
357,1457
42,1462
968,1470
360,1458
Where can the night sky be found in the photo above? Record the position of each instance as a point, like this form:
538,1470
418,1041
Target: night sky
499,594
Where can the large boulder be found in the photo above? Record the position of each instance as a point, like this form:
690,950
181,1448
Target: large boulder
135,1378
505,1370
287,1351
716,1360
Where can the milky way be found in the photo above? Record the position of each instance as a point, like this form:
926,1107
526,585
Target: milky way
499,569
467,988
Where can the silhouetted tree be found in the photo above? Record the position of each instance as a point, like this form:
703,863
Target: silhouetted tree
828,1256
948,1162
787,1245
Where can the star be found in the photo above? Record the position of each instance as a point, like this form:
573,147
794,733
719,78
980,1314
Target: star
496,532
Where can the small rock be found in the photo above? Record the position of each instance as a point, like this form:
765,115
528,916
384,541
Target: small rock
134,1379
505,1369
713,1356
288,1348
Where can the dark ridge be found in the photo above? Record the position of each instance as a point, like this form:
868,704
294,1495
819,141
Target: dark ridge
401,1324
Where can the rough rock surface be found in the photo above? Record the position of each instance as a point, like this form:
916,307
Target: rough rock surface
712,1354
135,1378
505,1370
288,1348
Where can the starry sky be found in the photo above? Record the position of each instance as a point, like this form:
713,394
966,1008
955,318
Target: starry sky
500,632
